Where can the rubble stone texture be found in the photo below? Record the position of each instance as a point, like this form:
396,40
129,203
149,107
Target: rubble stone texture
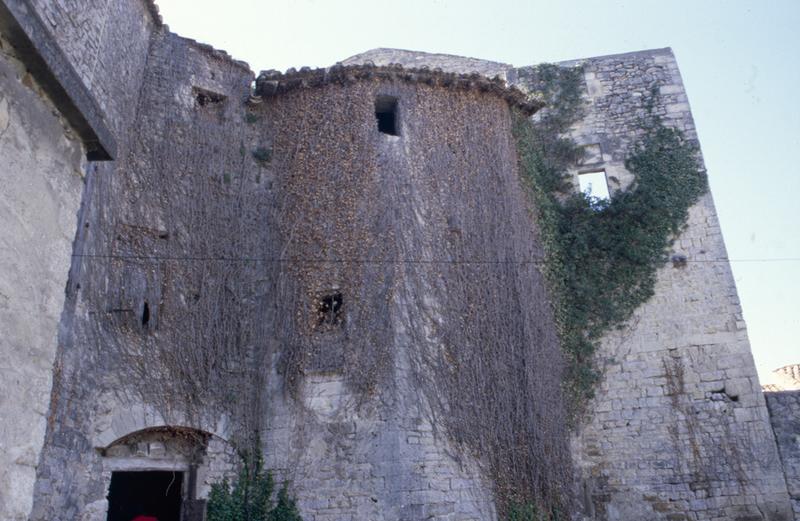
784,410
678,428
94,300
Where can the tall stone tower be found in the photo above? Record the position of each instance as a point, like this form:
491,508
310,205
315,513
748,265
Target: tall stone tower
395,269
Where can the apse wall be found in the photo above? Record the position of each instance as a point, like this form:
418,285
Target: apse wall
427,240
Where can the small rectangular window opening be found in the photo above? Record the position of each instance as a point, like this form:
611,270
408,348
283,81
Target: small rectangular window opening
329,310
594,185
386,114
205,97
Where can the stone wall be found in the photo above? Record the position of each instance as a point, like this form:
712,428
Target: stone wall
784,410
46,173
178,299
42,172
403,223
146,205
678,428
107,42
196,214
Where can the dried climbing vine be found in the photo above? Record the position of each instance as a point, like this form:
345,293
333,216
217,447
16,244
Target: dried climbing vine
446,312
182,317
431,248
334,236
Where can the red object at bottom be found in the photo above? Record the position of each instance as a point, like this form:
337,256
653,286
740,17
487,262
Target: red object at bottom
144,518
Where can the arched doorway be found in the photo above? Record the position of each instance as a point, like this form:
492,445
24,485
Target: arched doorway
164,473
145,494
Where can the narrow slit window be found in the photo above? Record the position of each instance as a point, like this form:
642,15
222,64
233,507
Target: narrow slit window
145,314
594,185
386,114
329,310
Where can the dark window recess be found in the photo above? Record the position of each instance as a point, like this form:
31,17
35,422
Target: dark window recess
145,314
156,494
206,97
386,114
329,310
678,260
720,395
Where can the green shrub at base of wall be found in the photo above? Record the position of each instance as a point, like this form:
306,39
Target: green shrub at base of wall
250,498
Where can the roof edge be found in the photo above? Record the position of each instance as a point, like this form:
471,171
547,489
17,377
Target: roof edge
659,51
274,83
212,52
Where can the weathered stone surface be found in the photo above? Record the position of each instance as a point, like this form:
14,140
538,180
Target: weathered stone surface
678,429
45,174
386,459
784,410
678,426
42,172
106,41
344,462
679,379
124,206
36,47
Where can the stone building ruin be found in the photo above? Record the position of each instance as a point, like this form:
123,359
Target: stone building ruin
191,264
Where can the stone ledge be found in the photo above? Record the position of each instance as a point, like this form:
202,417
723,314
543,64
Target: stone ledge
38,50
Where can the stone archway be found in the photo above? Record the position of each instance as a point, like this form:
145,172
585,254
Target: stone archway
182,461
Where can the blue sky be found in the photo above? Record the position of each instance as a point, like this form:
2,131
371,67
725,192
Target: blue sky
739,62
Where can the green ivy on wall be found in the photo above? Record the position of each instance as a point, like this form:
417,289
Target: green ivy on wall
601,256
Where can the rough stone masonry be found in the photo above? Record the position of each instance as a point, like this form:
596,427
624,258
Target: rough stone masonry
151,322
